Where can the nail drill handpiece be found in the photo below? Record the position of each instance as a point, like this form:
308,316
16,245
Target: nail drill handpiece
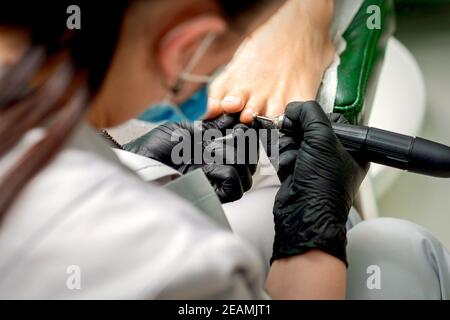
387,148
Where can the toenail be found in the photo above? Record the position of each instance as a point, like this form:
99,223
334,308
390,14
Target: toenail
249,112
232,100
213,102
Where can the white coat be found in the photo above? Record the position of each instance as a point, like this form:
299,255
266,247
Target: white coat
86,227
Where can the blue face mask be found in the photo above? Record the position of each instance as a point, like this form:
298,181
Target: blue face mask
193,109
196,106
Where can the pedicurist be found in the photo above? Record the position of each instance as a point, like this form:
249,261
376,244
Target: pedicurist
76,224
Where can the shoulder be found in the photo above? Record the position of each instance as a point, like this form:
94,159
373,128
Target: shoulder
83,185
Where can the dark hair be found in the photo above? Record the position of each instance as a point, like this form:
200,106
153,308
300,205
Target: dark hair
58,100
233,9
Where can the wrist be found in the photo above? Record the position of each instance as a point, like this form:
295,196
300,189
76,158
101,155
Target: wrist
325,232
313,275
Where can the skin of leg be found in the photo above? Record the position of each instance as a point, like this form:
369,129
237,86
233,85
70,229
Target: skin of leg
282,61
411,262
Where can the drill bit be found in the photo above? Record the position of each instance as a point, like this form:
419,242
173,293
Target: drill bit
271,123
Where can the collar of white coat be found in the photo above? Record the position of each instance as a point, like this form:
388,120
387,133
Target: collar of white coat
147,169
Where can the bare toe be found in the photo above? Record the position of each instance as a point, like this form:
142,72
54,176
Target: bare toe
214,108
254,107
217,92
235,101
275,108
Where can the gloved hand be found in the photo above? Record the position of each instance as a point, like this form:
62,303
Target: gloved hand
229,177
320,180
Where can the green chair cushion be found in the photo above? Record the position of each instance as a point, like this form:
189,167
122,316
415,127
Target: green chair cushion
361,62
425,2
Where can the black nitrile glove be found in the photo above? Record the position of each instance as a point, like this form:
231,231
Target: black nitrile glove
320,180
229,177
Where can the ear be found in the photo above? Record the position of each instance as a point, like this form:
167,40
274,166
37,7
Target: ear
177,47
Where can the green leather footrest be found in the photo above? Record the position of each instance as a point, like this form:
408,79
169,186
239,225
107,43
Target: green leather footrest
361,62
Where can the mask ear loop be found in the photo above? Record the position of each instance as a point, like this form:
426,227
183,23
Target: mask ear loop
199,53
186,75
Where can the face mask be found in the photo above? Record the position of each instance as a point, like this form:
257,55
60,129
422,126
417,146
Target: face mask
192,109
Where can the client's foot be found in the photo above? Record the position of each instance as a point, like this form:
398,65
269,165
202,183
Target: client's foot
283,61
